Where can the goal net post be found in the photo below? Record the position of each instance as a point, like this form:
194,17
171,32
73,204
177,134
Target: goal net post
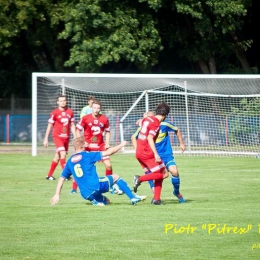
217,115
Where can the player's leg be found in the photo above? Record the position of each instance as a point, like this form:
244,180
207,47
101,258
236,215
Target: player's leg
53,166
175,179
151,182
63,150
134,198
155,172
59,147
108,166
108,181
74,187
97,199
157,192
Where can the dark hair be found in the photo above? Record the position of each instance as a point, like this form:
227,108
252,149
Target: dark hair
162,109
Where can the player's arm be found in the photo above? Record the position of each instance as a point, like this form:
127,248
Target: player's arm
179,136
108,137
134,138
47,133
152,145
55,199
73,129
78,128
114,149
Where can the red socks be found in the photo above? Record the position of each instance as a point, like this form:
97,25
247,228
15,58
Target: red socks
109,172
74,185
158,179
157,189
52,168
62,163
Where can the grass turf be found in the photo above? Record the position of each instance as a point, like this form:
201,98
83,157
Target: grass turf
220,191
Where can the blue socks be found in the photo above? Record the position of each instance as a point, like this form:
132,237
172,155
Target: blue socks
176,184
125,188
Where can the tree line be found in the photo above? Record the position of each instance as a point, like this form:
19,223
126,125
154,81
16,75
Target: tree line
125,36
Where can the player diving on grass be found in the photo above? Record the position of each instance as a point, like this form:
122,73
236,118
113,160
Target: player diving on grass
82,166
164,148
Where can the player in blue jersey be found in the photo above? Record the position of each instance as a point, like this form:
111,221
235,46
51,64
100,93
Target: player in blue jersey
82,166
164,149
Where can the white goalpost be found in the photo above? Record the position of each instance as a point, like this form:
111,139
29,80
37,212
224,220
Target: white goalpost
217,114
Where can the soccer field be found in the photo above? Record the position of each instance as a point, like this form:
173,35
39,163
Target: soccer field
220,219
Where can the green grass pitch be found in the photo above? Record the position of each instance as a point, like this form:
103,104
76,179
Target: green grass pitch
220,220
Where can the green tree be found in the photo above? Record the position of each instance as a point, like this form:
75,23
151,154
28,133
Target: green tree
107,32
207,32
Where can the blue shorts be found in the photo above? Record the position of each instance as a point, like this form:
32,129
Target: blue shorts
168,161
104,186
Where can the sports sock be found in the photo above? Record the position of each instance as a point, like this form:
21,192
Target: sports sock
52,168
151,176
157,189
74,185
109,172
62,163
176,184
125,188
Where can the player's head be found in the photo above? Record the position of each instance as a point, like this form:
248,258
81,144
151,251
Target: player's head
62,101
78,143
91,100
148,113
96,107
162,110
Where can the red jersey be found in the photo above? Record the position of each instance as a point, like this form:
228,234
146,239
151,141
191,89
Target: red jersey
149,125
93,130
61,121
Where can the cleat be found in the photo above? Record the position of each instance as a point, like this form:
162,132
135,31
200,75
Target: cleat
73,191
68,179
141,197
136,182
156,202
96,203
116,190
135,200
179,197
50,178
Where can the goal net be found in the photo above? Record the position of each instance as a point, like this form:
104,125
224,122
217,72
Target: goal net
217,115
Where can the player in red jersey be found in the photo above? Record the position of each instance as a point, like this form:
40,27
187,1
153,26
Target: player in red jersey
62,122
147,154
95,125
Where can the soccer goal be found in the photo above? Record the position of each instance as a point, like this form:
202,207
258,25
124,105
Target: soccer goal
217,114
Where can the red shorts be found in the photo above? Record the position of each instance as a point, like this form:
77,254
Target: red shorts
151,165
61,144
100,149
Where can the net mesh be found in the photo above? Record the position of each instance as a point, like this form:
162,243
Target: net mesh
211,123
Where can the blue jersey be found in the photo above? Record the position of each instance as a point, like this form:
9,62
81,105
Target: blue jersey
82,166
163,142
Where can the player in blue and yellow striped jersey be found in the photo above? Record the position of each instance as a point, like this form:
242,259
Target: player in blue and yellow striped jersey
164,149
